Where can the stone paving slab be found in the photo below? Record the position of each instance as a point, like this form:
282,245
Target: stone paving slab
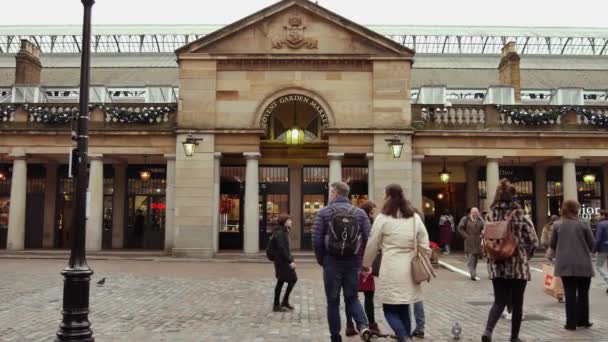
233,304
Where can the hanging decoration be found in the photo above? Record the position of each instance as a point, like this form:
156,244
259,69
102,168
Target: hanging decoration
522,116
138,114
7,112
51,114
550,117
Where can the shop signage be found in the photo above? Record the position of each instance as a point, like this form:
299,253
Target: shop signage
158,206
587,213
290,99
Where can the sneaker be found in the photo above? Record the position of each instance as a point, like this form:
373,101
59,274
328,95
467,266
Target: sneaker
473,278
287,306
585,325
418,333
366,335
278,308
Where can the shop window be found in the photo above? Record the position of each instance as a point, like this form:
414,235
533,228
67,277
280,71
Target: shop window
356,177
316,174
270,174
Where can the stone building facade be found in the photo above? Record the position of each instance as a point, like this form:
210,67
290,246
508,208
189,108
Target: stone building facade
284,102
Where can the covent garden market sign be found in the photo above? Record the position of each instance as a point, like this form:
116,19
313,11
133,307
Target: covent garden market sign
287,99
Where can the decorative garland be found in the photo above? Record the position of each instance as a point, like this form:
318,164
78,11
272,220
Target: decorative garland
65,114
532,118
6,112
520,116
52,114
138,115
598,120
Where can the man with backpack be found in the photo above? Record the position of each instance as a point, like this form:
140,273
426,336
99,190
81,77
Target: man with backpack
339,232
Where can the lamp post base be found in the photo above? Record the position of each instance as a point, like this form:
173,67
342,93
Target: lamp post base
75,325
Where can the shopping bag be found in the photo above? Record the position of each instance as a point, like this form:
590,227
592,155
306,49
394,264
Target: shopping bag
552,285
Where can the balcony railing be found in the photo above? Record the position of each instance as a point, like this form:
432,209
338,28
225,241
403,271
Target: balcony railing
110,116
513,117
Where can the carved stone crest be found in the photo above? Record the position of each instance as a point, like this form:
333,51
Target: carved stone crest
294,36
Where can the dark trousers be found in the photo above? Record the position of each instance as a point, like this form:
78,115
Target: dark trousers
398,317
507,291
341,275
277,292
368,305
577,300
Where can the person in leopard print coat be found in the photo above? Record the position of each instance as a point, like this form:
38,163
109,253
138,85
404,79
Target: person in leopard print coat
510,276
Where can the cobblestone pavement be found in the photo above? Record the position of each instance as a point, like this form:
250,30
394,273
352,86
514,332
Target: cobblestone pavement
227,301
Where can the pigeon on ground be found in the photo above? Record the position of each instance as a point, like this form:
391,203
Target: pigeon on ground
101,282
456,331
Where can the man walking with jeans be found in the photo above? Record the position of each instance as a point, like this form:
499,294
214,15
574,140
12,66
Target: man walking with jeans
341,263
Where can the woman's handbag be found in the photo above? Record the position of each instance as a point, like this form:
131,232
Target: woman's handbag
422,269
376,265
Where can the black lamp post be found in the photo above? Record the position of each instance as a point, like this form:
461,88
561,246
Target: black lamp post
75,325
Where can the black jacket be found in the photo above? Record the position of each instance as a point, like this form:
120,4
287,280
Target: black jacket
281,245
283,257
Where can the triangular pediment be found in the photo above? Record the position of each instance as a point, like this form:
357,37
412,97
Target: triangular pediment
296,27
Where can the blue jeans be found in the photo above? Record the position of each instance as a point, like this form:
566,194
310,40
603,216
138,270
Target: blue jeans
341,275
419,316
398,317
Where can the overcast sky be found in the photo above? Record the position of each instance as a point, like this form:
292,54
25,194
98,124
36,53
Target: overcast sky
580,13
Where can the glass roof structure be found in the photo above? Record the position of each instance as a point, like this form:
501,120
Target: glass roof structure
423,39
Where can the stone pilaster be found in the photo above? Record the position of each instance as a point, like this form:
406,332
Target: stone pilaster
416,196
335,167
388,169
50,203
95,206
119,199
193,221
569,180
170,202
251,225
16,216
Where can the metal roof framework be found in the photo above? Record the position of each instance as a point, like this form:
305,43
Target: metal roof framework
423,39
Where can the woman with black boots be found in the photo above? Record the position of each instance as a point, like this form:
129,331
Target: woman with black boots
285,268
511,275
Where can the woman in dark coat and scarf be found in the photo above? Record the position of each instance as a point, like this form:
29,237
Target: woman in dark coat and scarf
285,268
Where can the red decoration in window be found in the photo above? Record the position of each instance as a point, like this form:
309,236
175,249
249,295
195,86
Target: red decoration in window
158,206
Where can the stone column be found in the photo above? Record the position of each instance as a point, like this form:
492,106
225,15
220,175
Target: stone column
170,203
569,180
370,176
251,224
472,186
50,202
95,205
492,180
416,196
119,199
16,216
216,200
540,197
335,167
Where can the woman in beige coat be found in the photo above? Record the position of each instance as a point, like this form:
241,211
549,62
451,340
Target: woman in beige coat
397,231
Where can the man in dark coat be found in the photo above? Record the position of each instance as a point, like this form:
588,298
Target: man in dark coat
470,228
